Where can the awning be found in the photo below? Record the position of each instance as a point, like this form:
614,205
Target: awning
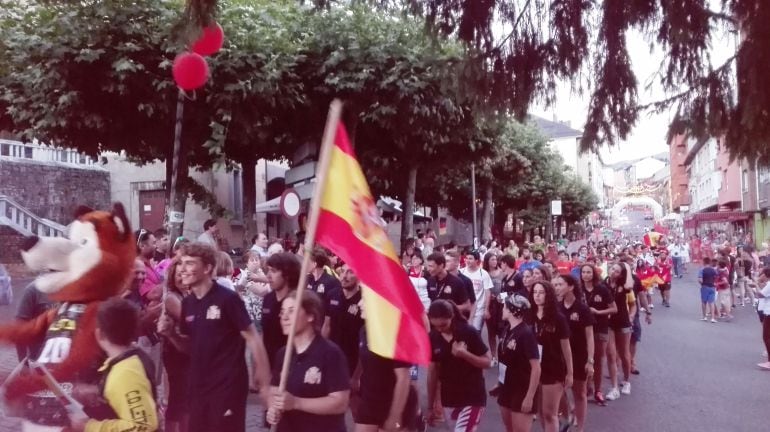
726,216
273,206
394,206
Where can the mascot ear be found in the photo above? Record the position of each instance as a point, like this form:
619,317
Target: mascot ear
81,210
120,220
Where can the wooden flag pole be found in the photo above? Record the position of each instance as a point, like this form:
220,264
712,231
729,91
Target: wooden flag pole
330,131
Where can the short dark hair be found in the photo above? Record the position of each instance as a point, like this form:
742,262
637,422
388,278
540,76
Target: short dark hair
208,224
118,321
204,251
161,232
438,258
289,266
706,260
509,260
320,257
474,253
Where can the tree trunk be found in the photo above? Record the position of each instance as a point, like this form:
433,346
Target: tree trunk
486,214
548,229
248,164
407,220
180,194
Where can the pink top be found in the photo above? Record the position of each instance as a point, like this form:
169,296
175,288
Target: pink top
152,279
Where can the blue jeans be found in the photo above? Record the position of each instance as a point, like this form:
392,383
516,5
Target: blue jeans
677,266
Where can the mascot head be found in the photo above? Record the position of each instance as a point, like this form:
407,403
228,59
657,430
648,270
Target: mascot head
93,263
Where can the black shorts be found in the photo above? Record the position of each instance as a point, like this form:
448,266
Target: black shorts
495,315
636,330
513,398
215,414
664,286
372,412
177,395
579,367
552,378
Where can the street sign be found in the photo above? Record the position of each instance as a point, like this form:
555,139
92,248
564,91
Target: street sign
175,217
556,208
290,203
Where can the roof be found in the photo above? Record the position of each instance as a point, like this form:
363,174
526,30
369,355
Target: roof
554,130
623,165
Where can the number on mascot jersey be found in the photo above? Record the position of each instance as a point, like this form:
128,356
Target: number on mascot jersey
55,350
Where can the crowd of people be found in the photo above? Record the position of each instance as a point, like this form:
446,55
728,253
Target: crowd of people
555,322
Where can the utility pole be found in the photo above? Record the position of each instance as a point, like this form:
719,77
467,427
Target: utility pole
473,198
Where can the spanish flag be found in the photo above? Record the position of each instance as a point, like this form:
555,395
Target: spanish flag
349,224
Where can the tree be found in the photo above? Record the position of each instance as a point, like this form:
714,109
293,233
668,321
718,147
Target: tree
110,89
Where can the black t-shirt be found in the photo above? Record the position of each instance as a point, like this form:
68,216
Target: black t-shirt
32,304
468,287
272,332
345,323
549,336
314,373
450,288
579,317
517,348
600,299
462,384
324,285
214,324
158,256
377,377
621,319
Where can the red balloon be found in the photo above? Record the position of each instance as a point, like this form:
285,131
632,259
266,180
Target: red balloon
211,40
190,71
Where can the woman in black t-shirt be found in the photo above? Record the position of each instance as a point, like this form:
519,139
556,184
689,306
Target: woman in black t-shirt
581,341
552,333
458,363
621,284
318,386
519,352
601,304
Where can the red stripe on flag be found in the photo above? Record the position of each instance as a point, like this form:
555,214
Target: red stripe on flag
385,277
374,269
342,142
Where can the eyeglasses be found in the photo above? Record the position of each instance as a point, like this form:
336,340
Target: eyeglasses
140,237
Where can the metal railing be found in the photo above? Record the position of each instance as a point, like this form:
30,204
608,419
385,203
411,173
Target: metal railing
19,218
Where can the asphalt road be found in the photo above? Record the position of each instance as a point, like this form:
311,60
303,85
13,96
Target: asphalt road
695,376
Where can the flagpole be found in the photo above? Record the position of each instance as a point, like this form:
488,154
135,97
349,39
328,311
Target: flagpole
330,131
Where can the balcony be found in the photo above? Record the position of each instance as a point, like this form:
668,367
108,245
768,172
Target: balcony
18,151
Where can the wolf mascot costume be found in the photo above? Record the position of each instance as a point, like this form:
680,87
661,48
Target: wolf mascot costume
92,265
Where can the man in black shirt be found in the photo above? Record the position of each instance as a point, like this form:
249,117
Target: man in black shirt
442,285
343,321
215,330
319,281
282,275
32,303
453,268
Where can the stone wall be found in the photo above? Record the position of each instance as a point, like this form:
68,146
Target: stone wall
52,190
11,245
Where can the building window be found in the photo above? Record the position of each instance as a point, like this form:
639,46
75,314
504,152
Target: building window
5,149
745,180
28,152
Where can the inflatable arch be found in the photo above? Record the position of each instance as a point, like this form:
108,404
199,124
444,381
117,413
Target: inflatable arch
657,209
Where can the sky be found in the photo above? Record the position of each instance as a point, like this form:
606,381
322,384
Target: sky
649,135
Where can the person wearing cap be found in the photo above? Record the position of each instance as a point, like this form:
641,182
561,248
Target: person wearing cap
520,354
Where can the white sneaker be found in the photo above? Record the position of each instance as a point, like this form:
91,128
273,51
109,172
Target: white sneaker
713,320
613,394
626,388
